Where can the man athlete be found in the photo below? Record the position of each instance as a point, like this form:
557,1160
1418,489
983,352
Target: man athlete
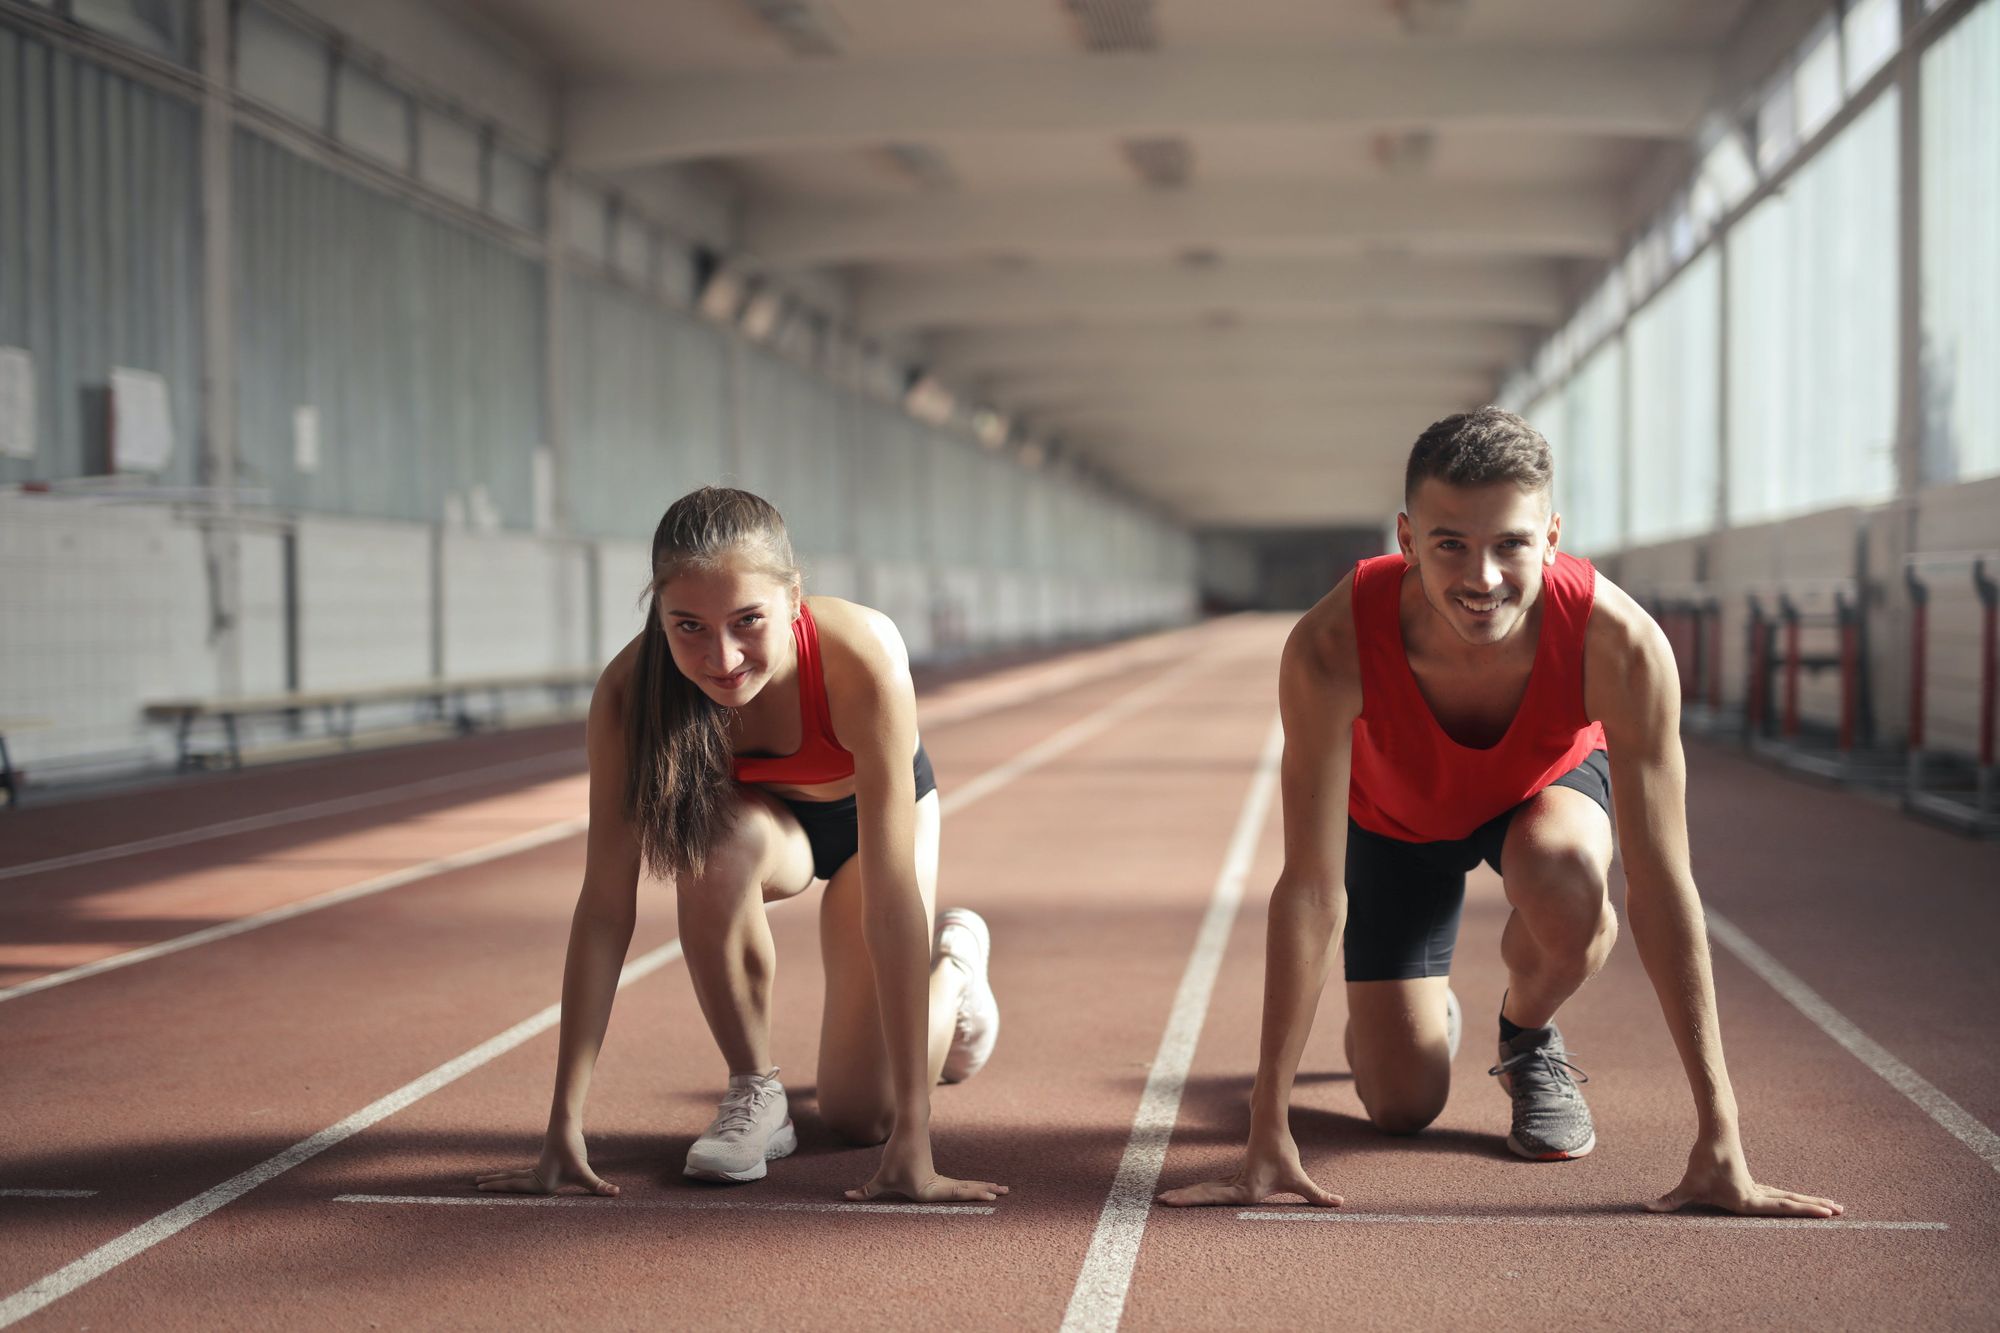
1450,705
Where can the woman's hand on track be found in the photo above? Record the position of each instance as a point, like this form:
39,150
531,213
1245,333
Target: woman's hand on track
563,1169
908,1175
1719,1178
1267,1169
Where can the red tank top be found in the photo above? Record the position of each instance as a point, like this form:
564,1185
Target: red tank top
820,756
1410,780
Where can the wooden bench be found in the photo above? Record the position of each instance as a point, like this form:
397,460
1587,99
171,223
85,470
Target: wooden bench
445,700
10,779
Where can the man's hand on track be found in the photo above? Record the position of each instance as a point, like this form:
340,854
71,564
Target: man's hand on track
1720,1179
1265,1172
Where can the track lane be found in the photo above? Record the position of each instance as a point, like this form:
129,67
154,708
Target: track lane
529,963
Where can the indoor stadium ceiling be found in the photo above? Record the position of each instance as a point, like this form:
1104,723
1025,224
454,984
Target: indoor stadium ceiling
1235,253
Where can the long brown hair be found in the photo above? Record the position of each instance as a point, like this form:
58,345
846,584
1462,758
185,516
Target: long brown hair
680,769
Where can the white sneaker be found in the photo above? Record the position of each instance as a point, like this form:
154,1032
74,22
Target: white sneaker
963,937
753,1126
1454,1022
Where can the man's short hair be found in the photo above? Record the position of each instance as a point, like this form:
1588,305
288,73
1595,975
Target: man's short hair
1478,449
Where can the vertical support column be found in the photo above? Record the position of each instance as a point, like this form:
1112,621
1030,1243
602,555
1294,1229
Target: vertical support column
1909,444
218,407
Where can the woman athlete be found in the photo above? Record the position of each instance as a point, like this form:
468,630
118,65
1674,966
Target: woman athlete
748,742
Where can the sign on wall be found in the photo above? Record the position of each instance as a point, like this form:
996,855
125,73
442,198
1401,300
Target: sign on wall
142,421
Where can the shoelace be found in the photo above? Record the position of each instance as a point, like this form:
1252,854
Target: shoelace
1550,1065
738,1110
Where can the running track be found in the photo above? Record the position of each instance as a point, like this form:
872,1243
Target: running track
244,1106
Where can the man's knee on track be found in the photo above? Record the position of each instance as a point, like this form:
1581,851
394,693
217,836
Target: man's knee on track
1568,906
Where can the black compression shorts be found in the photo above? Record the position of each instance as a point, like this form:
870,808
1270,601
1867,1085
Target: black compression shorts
1403,898
832,827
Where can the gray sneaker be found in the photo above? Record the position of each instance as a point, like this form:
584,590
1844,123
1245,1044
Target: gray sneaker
1551,1123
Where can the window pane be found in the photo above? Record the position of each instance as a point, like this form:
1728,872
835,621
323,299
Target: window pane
1816,83
163,27
1586,435
282,66
632,253
448,155
1872,29
1961,250
517,190
587,222
1812,332
1675,385
372,117
1777,131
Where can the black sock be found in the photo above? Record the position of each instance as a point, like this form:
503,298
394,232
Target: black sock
1509,1031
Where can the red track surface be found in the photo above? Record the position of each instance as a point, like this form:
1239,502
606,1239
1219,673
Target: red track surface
156,1082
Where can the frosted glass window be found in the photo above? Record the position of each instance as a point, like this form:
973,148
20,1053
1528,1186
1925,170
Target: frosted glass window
1777,129
1961,250
1672,467
587,222
282,66
1726,168
632,247
1812,324
163,27
1587,435
372,117
517,190
1871,29
448,151
1816,83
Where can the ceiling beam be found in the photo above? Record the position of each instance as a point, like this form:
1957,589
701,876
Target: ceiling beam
1527,292
1245,390
1273,217
844,104
994,355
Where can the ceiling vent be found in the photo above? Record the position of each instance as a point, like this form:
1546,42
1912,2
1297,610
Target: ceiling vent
923,164
1108,26
1431,18
1164,164
807,29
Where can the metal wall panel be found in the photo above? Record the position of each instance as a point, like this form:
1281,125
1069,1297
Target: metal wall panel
795,451
645,408
418,342
100,250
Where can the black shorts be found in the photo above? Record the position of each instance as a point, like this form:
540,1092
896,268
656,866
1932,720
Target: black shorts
1403,898
833,830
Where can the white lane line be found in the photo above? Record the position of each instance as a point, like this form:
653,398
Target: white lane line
1098,1300
1635,1222
317,810
696,1205
148,1234
46,1194
333,898
1071,736
1960,1123
1039,683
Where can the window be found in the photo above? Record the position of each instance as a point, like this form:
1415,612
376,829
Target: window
448,152
1675,382
1816,85
1871,30
372,117
282,66
516,190
1961,262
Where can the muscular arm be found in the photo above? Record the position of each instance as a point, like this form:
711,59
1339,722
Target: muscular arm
1632,686
1319,697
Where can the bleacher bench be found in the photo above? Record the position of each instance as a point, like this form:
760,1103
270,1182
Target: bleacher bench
443,700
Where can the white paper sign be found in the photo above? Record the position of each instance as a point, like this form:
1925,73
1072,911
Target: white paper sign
142,421
17,403
305,438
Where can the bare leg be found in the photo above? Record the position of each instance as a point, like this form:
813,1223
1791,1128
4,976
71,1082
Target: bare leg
725,936
1557,860
1397,1050
855,1093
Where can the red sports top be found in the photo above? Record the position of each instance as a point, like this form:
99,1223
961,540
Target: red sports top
820,757
1410,780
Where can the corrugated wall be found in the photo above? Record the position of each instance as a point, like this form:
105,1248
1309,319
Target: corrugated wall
100,251
645,409
418,342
